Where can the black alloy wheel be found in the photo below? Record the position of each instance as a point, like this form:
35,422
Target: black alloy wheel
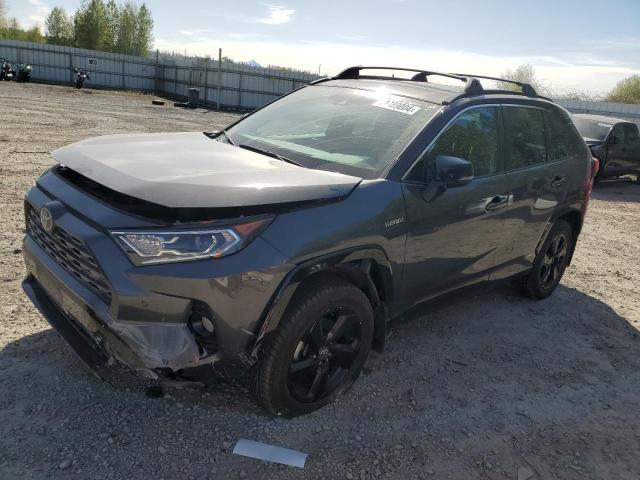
324,355
318,349
554,261
550,263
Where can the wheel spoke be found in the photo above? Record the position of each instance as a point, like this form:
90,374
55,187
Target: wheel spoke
344,353
304,364
556,244
316,335
553,269
318,381
562,252
334,379
339,327
545,272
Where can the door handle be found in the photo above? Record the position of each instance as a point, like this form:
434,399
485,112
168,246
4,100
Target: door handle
557,181
497,202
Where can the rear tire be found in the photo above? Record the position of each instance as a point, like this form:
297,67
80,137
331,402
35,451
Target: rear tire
550,263
317,351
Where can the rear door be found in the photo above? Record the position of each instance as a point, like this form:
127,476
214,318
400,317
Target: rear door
540,152
453,233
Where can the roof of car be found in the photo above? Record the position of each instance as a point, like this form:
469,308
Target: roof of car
601,118
429,92
419,85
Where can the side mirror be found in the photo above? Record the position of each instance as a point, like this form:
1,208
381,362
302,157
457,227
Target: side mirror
453,171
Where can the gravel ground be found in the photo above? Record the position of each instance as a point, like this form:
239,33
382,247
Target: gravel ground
484,385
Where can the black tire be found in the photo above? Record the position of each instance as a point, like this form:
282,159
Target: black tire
304,367
550,263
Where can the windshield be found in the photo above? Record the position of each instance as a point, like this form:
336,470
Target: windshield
592,128
356,132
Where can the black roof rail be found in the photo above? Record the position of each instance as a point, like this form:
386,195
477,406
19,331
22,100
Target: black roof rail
420,75
472,84
527,89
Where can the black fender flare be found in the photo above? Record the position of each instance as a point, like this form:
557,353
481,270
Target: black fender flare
366,266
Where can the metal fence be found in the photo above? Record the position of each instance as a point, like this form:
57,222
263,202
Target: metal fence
625,111
225,84
54,64
242,87
228,85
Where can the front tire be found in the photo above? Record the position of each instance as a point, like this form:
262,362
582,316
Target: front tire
318,350
550,263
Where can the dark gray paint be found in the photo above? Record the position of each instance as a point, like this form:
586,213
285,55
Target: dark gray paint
191,170
425,245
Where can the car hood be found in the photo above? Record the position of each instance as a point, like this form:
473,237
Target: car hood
179,170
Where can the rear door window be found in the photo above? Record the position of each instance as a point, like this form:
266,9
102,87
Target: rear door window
525,141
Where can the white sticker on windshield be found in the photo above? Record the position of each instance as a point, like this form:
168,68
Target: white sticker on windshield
397,105
605,125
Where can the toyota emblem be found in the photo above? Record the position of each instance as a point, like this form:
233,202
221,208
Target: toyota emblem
46,219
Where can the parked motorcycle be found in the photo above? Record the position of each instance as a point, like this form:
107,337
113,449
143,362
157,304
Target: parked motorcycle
7,72
24,72
81,77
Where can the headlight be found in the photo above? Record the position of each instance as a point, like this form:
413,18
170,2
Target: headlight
148,247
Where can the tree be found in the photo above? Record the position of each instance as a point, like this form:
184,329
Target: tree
112,27
12,30
626,91
33,35
127,28
59,28
143,39
523,74
3,15
90,25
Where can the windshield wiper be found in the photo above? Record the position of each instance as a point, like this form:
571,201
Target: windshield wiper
269,153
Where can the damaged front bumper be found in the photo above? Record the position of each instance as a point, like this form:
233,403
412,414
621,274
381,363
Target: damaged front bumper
144,320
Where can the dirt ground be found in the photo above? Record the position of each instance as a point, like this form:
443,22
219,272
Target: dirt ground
485,385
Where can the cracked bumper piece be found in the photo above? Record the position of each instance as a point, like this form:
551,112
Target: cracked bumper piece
146,322
152,350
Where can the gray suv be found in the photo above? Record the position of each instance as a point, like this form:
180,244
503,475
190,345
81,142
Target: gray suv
278,250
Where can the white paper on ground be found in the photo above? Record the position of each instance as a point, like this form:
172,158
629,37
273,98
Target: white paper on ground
270,453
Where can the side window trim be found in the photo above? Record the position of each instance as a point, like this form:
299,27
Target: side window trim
500,127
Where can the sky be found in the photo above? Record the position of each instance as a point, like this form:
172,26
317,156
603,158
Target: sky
584,46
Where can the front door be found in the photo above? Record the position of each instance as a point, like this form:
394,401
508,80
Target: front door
453,233
624,149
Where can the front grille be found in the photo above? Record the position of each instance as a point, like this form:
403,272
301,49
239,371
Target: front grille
71,254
